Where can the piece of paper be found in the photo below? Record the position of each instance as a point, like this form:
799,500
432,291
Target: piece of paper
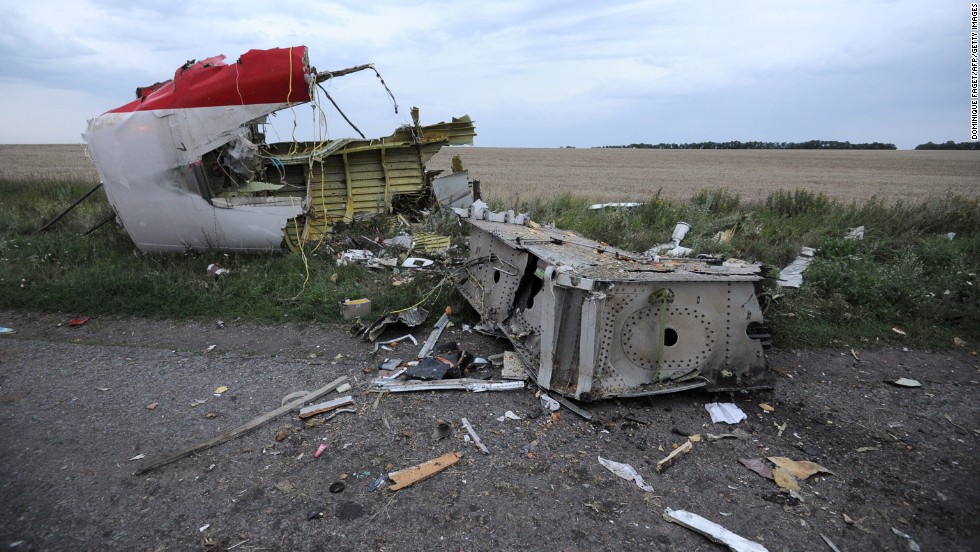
627,472
725,412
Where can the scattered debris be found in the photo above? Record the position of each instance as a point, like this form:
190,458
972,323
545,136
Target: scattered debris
548,403
204,527
337,487
959,342
379,385
673,456
567,403
344,388
352,309
285,486
513,368
319,450
244,428
620,205
476,438
152,406
4,330
410,476
767,407
899,331
434,336
626,472
829,543
379,482
137,457
220,390
442,430
792,275
951,236
327,406
758,466
914,546
410,317
417,262
673,247
728,413
509,415
76,322
855,234
737,433
215,270
712,530
905,382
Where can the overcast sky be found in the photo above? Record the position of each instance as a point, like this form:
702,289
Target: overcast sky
530,74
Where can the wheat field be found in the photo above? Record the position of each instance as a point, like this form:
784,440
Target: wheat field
627,174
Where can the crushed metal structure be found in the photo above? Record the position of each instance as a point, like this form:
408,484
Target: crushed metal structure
186,165
591,321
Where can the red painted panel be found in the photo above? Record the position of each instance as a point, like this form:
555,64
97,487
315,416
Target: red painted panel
258,77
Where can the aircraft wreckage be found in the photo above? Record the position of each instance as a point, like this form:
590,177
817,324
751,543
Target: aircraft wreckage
186,166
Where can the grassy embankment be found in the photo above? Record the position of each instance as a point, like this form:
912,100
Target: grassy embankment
904,274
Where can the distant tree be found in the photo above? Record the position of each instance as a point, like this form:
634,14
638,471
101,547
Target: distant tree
735,144
949,145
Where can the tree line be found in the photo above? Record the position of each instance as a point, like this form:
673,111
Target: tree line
949,145
735,144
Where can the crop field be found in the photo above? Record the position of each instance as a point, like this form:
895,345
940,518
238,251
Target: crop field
626,174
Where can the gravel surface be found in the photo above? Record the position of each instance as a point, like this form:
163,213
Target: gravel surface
77,404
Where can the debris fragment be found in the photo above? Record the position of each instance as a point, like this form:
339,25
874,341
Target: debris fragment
758,466
728,413
379,482
285,486
959,342
410,476
855,234
567,403
620,205
442,430
767,407
509,415
337,487
829,543
737,433
215,270
379,385
204,527
327,406
137,457
906,382
430,342
513,367
352,309
792,275
914,546
712,531
152,406
626,472
244,428
476,438
673,456
76,322
4,330
855,354
410,317
548,403
899,331
417,262
673,247
319,450
344,388
801,469
220,390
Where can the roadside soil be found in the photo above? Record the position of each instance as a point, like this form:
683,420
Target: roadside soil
75,409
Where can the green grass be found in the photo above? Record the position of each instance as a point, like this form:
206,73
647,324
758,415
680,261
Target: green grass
904,274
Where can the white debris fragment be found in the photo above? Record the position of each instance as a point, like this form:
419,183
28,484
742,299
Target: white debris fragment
906,382
547,403
855,234
792,275
913,546
729,413
627,472
203,528
137,457
713,531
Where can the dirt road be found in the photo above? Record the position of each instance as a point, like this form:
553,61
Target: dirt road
75,409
